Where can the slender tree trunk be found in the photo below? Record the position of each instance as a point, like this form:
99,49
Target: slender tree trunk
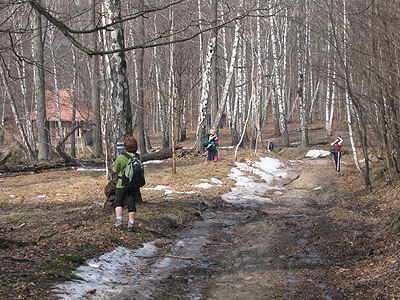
172,91
27,148
95,83
347,94
27,109
278,87
60,129
245,125
214,63
140,107
3,113
300,93
73,98
204,97
41,119
257,80
121,114
228,80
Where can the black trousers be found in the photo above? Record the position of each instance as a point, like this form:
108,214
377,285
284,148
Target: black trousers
126,197
336,156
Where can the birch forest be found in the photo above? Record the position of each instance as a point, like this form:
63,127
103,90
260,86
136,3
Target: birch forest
152,67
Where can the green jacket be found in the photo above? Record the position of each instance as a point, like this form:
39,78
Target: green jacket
120,165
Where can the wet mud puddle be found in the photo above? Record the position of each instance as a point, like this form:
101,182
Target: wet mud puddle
145,273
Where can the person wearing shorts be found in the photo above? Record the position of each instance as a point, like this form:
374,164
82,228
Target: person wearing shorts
125,197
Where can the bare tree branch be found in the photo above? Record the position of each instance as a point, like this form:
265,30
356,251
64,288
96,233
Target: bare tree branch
68,32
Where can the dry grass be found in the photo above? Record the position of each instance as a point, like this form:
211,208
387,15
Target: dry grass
69,224
65,223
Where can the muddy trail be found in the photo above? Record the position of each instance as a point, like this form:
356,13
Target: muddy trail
277,249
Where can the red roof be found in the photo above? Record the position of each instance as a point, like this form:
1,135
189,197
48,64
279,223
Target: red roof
82,111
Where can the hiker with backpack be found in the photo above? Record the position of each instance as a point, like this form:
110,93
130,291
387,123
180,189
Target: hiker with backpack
336,150
212,145
129,168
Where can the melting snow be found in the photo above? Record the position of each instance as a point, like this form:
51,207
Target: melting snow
91,169
107,275
208,184
168,191
153,162
254,180
122,271
203,185
317,153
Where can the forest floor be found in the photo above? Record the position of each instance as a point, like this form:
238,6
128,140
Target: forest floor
324,237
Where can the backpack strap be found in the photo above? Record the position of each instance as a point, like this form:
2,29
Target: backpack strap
126,155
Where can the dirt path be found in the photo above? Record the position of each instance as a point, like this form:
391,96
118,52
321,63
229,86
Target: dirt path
274,251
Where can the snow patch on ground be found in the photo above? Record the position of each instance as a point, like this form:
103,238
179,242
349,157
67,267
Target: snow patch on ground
167,190
254,179
153,162
91,169
317,153
209,183
203,185
123,271
107,275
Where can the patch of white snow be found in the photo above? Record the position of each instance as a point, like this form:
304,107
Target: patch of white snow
317,153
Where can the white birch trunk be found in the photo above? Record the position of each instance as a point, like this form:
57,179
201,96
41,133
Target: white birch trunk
256,74
136,72
241,91
201,51
347,96
333,102
121,118
330,89
300,94
278,85
171,82
314,100
204,96
28,120
328,92
302,46
27,148
258,117
95,85
73,99
229,75
161,111
3,113
244,131
56,85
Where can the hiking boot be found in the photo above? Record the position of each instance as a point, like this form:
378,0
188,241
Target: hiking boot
118,225
131,227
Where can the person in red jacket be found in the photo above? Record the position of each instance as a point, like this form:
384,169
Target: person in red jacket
337,146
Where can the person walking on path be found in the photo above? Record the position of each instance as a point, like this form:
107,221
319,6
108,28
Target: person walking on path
337,146
212,145
125,196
